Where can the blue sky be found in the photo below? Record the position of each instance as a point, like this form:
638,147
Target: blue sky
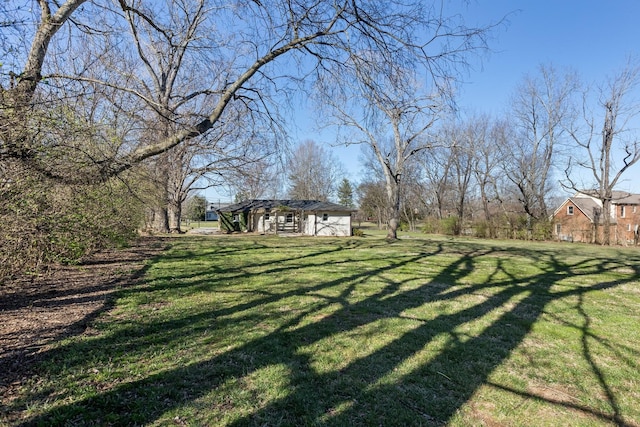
593,37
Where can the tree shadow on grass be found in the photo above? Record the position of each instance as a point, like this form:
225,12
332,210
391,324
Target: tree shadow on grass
393,384
62,303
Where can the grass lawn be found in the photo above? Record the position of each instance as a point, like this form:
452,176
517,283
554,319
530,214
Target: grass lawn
189,225
269,331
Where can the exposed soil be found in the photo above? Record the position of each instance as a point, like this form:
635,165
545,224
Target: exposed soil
37,311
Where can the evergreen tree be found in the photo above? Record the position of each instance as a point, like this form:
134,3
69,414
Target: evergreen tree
345,193
196,208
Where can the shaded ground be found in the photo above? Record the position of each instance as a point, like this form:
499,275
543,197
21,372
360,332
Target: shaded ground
36,311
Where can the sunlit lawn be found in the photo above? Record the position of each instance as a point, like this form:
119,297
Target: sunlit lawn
254,330
189,225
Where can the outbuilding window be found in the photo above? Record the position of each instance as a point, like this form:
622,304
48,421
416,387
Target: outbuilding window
289,217
569,210
325,217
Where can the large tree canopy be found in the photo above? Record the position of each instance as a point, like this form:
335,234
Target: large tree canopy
77,49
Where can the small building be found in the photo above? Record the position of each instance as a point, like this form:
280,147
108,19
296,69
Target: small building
211,211
307,217
579,218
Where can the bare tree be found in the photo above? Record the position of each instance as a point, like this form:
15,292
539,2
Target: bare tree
162,41
485,160
326,33
542,109
447,172
372,200
460,163
489,137
435,179
313,172
255,180
390,120
388,103
411,203
611,151
170,43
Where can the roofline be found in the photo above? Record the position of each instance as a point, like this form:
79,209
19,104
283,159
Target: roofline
581,210
283,203
613,220
570,199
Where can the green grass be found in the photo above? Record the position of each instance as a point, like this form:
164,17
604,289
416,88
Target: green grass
250,330
189,225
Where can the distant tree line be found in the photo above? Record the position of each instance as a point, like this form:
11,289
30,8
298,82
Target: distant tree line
501,177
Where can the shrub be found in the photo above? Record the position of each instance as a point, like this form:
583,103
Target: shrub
47,222
482,229
542,230
430,226
450,225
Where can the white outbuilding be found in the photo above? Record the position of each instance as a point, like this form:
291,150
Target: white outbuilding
306,217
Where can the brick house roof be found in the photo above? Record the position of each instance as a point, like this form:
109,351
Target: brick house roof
627,199
588,203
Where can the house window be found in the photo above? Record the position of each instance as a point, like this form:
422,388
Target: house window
267,216
325,217
621,211
289,218
634,209
628,227
558,229
569,210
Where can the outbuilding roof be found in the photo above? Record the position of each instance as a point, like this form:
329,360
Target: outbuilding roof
304,205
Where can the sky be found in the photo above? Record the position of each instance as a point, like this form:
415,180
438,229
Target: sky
592,37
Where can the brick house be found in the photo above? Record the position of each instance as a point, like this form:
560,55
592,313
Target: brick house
578,217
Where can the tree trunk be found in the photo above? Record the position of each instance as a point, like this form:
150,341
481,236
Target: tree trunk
175,196
160,220
460,212
606,186
159,197
174,215
440,204
393,192
606,221
487,212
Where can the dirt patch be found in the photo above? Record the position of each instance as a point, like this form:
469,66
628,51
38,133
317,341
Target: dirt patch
37,311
